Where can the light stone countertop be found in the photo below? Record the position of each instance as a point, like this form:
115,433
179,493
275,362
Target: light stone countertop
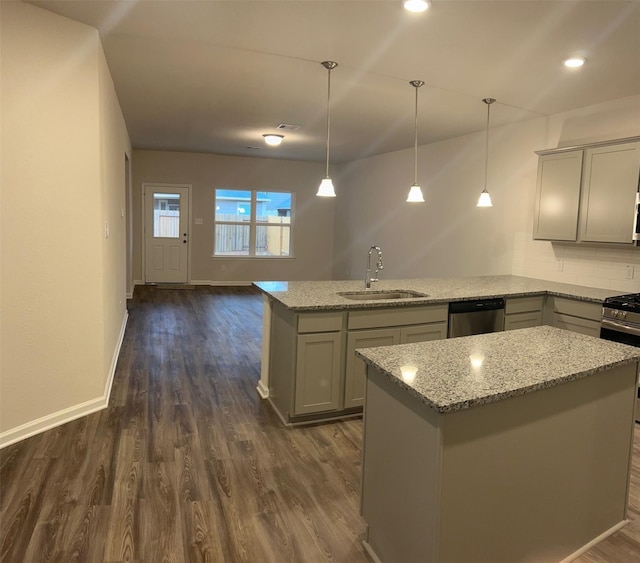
323,295
469,371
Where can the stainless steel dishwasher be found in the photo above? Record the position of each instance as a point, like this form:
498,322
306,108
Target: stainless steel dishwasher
475,317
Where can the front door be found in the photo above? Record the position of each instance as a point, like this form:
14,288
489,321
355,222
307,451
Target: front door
166,233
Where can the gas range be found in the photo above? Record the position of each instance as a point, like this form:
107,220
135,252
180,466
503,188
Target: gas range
624,309
621,323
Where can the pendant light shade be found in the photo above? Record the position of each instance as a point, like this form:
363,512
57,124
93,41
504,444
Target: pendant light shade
415,193
326,188
485,199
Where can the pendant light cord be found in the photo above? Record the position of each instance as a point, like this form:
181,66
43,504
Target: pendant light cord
487,101
415,145
328,117
416,84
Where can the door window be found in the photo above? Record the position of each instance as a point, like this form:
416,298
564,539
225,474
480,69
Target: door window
166,215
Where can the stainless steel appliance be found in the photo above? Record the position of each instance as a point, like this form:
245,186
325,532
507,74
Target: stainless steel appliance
621,323
475,317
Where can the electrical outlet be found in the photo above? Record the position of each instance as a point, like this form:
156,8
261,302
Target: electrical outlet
559,265
223,268
628,271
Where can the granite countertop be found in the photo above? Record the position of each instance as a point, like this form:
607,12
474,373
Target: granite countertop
468,371
315,295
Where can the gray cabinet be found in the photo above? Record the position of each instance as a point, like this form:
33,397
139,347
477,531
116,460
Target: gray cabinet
587,194
314,373
576,316
399,328
610,184
523,312
356,372
558,196
306,358
318,374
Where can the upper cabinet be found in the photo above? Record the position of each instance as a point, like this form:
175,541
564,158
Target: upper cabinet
558,196
587,194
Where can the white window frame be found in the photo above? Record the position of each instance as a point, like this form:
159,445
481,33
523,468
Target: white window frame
253,224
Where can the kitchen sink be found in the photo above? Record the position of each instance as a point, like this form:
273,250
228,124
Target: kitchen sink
369,295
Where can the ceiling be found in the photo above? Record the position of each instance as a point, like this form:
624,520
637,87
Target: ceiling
214,76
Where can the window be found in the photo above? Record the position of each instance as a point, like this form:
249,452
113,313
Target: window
252,223
166,215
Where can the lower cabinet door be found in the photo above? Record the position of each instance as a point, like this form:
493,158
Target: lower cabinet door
318,373
356,372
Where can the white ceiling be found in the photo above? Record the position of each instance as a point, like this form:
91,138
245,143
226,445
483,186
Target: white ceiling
213,76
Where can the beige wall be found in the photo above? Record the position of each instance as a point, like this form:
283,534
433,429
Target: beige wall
448,235
62,282
313,221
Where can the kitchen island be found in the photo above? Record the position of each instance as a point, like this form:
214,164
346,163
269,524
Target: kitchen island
502,447
309,370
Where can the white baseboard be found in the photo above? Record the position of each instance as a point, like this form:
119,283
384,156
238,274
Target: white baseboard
74,412
114,358
219,283
595,541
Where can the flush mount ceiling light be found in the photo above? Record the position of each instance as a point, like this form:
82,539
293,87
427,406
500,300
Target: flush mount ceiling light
273,140
485,199
326,188
574,62
416,5
415,193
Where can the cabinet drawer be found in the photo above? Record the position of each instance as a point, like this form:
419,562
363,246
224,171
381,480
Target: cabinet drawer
584,309
324,321
394,316
423,333
522,320
523,304
577,324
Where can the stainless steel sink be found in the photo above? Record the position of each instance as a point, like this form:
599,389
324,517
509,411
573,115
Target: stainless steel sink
369,295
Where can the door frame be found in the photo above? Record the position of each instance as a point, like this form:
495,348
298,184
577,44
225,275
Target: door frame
152,185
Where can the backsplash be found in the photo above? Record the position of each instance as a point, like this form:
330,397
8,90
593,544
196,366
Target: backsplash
599,266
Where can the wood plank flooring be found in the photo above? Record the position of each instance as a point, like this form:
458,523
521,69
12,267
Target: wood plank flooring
188,464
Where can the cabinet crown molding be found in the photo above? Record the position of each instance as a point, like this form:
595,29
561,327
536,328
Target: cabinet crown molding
588,146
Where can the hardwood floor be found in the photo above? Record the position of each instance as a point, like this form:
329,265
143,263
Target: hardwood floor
188,464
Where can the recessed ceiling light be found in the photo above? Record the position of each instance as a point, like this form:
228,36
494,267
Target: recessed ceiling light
574,62
416,5
273,140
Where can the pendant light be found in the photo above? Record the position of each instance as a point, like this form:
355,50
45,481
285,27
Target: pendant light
415,193
326,188
485,199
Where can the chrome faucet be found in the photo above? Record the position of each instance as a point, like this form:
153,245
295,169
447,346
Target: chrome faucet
379,266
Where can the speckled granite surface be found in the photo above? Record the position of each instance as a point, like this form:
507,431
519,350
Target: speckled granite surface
464,372
313,295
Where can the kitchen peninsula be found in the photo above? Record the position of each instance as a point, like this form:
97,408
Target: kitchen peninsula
501,447
312,328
